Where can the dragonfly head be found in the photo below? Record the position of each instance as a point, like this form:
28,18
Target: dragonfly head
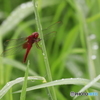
35,34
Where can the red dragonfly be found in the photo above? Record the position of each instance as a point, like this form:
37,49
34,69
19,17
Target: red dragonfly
34,38
26,43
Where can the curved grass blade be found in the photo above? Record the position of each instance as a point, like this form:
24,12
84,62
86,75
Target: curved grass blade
5,89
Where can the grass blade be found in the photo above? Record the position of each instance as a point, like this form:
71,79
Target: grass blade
49,77
5,89
23,93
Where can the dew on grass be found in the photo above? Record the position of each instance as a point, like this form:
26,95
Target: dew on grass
55,80
94,57
77,78
43,54
92,36
8,84
62,79
95,46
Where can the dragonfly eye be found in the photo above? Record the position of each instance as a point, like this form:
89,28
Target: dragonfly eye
35,34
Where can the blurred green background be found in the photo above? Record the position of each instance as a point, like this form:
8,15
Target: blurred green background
73,51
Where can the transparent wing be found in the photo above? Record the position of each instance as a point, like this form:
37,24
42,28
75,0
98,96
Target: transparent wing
12,51
51,30
13,46
52,27
49,35
14,42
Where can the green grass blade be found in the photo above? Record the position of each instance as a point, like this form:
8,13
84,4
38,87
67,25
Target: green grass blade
23,93
1,65
74,81
49,77
8,85
89,85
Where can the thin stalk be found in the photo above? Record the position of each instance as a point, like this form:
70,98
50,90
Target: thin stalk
84,26
1,66
49,77
23,93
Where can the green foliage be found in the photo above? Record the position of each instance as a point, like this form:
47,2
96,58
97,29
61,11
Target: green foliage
72,53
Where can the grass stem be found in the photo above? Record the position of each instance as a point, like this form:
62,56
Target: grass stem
49,77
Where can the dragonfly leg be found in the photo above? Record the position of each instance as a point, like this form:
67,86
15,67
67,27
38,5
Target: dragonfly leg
37,45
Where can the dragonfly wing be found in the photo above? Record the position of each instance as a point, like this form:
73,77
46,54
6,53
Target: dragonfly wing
12,51
53,26
50,31
14,42
49,35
